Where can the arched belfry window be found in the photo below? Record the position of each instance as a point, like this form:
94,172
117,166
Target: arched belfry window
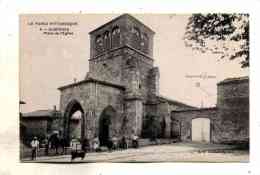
115,37
106,37
136,37
144,43
99,44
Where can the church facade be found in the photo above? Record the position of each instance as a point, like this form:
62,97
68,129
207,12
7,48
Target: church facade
122,86
120,93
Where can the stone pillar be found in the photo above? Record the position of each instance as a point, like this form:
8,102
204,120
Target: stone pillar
134,112
168,126
154,81
164,113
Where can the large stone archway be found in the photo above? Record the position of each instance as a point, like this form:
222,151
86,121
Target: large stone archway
107,125
71,124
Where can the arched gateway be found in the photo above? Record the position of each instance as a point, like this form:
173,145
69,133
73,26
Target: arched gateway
74,121
105,125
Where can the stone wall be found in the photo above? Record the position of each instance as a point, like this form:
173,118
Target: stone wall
183,121
134,116
107,67
162,111
94,98
141,66
229,120
233,105
153,82
35,127
131,33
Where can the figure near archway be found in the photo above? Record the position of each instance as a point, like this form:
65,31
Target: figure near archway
74,122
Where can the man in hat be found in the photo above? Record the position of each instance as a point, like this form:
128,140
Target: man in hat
35,146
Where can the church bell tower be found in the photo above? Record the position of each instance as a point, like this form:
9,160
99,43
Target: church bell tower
121,52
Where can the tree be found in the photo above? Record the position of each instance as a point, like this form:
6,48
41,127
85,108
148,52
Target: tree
223,34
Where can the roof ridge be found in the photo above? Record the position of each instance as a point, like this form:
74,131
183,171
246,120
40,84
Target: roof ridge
176,101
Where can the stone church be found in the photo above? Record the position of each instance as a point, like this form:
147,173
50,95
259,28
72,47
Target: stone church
121,91
121,87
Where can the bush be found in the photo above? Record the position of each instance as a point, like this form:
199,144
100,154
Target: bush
151,127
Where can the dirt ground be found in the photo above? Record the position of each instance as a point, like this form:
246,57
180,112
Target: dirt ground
181,152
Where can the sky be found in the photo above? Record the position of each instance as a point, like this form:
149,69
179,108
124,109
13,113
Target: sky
48,62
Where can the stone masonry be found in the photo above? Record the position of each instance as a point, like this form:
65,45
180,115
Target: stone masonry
229,120
122,88
121,79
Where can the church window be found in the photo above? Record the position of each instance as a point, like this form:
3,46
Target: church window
99,44
107,40
128,62
144,43
115,37
136,38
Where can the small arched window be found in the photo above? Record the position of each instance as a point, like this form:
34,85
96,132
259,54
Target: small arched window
136,38
115,37
106,37
99,44
128,62
144,43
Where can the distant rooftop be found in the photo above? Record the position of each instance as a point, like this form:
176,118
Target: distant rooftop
234,80
175,102
196,109
40,113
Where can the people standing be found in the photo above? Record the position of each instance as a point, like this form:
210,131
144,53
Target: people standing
123,143
96,143
63,144
135,141
85,145
35,146
46,145
114,142
73,144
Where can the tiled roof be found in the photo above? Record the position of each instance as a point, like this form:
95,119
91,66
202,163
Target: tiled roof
195,109
40,113
91,80
171,101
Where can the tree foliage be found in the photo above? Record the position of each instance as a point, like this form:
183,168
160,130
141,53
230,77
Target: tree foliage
223,34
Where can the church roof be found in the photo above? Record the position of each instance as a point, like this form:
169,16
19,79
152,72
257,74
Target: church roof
196,109
119,17
93,80
175,102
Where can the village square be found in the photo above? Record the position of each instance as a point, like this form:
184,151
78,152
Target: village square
117,113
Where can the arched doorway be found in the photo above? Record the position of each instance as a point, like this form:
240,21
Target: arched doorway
201,130
105,122
74,121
